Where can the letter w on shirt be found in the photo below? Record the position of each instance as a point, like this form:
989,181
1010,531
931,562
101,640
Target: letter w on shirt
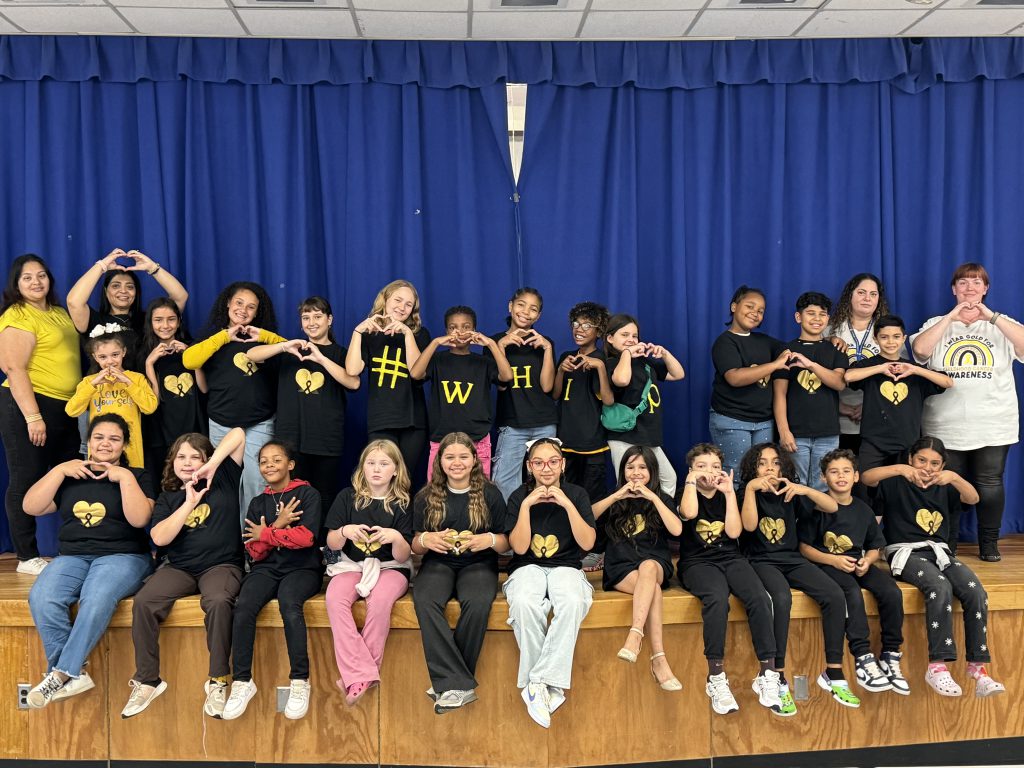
455,391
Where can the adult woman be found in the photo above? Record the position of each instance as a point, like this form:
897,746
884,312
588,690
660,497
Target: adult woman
104,553
976,419
39,355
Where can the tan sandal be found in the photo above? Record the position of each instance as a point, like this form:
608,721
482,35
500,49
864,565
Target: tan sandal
672,684
627,655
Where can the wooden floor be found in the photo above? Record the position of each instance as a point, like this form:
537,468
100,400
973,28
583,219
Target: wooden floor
614,712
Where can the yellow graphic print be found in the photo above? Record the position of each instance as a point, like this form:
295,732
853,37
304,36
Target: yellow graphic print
639,525
967,353
197,516
179,385
244,364
710,532
450,394
837,544
90,515
521,380
390,366
654,392
308,382
808,380
894,391
865,353
762,383
458,542
929,521
773,529
544,546
367,547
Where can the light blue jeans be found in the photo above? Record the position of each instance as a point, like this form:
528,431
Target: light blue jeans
96,583
256,437
735,437
510,452
807,458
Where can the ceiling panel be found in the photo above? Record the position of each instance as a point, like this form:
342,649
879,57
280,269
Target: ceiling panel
877,5
175,21
637,24
860,23
647,5
75,20
959,22
402,25
7,28
777,22
310,22
410,5
489,5
170,3
535,25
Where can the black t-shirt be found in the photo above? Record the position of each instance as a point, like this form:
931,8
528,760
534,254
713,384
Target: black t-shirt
181,404
92,520
641,542
911,514
754,401
456,517
851,531
394,399
283,559
812,408
241,393
311,404
775,539
703,538
522,403
648,424
212,533
552,543
343,512
460,394
891,417
579,408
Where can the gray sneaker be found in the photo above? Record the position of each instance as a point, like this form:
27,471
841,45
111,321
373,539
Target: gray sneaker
75,686
141,697
216,698
450,700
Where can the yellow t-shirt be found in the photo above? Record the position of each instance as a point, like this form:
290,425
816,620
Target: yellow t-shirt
54,367
126,400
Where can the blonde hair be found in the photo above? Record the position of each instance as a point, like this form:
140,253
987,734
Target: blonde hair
413,320
398,488
435,493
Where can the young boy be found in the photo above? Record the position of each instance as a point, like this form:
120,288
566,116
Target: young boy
806,392
894,393
845,544
461,383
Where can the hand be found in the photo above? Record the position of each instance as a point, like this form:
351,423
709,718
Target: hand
205,472
839,344
965,312
482,340
253,531
396,328
287,513
537,341
557,495
356,532
142,262
370,325
192,496
588,363
110,260
37,433
788,489
570,363
246,333
862,567
76,469
798,360
540,494
478,542
986,313
101,378
844,563
781,363
448,340
855,413
787,442
945,477
118,375
724,482
655,350
383,535
513,338
104,469
637,350
438,541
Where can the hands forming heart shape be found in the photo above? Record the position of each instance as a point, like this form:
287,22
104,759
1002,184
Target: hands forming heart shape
897,371
97,470
633,489
246,333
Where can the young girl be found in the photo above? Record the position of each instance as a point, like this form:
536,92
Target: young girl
311,388
195,524
525,408
280,539
550,526
918,501
387,344
741,395
108,388
773,503
370,526
637,367
711,568
637,561
461,383
459,519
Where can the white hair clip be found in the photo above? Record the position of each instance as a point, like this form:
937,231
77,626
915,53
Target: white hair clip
530,443
103,330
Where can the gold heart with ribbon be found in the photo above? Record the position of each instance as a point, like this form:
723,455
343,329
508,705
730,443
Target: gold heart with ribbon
90,515
197,516
544,546
457,542
837,544
367,547
244,364
894,391
773,529
639,525
308,382
808,380
179,385
929,521
710,531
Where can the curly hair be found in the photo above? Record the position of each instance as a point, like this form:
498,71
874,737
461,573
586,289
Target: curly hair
620,521
434,494
592,311
748,464
844,310
838,454
413,321
398,488
200,442
265,317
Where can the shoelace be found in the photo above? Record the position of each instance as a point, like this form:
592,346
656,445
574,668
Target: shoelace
894,667
299,691
770,686
873,670
720,689
50,687
137,693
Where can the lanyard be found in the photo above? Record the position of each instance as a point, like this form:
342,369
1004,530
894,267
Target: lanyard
859,344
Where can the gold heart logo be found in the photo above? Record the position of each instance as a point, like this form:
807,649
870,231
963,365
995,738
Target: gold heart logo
808,380
894,391
929,521
308,382
709,531
762,383
457,541
773,529
244,364
91,515
639,525
544,546
179,385
837,544
198,516
368,547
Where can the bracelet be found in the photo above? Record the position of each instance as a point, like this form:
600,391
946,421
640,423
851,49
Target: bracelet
494,541
154,271
690,482
421,540
358,331
33,417
995,316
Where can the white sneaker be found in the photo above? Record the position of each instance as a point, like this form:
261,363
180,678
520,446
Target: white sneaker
216,698
722,700
241,694
298,700
453,699
536,697
766,687
870,676
556,698
74,686
43,693
141,697
32,567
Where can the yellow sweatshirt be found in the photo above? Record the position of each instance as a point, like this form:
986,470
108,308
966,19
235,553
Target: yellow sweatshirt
126,400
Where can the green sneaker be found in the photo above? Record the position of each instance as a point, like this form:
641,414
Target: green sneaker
788,708
839,689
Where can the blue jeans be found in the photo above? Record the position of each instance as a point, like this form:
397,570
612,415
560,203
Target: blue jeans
256,437
807,458
509,453
96,583
735,437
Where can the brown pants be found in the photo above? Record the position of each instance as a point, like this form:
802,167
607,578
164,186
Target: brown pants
218,587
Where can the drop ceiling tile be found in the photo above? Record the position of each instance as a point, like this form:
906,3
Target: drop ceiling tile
67,20
184,22
768,4
533,25
775,22
860,23
399,25
490,5
170,3
7,28
410,5
647,5
960,23
300,22
636,24
877,5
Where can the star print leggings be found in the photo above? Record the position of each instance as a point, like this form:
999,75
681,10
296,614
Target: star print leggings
939,589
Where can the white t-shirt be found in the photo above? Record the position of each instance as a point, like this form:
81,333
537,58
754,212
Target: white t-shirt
859,345
981,407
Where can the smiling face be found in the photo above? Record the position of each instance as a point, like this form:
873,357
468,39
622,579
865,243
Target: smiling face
970,289
929,462
840,476
524,310
121,293
460,327
747,312
457,463
275,466
812,320
637,471
400,304
546,464
708,464
584,332
165,323
108,354
627,336
864,300
890,341
242,307
768,464
33,283
379,470
186,461
316,325
106,442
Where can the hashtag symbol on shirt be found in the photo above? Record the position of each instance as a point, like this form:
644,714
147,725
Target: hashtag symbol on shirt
393,367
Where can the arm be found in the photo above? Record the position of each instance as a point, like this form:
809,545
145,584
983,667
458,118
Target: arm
354,355
140,391
968,493
547,368
164,532
672,522
859,374
519,536
830,377
16,347
262,352
925,342
822,501
233,445
78,296
674,368
504,369
418,370
872,477
1014,332
607,396
744,377
602,506
196,356
137,507
172,286
935,377
623,371
780,388
39,499
335,371
733,521
582,531
79,402
839,562
748,514
556,387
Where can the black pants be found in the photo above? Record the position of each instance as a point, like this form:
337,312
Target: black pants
27,463
983,468
589,471
890,608
712,582
802,575
939,588
323,473
292,590
452,655
412,443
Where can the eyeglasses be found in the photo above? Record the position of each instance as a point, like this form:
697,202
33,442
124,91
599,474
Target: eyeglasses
578,326
553,463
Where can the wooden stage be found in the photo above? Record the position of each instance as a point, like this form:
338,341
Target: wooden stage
615,714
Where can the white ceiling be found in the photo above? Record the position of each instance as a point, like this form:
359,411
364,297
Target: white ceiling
484,20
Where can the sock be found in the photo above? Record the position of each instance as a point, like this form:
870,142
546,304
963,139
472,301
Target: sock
976,669
715,667
834,673
937,666
765,666
222,680
153,683
782,675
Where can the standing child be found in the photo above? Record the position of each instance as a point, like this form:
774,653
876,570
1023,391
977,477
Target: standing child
461,383
370,527
280,539
845,545
108,388
806,392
